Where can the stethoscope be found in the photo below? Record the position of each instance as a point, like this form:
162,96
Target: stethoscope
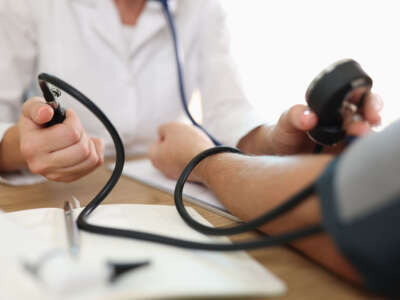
179,69
339,87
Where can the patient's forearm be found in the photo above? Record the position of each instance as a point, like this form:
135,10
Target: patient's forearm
10,154
250,186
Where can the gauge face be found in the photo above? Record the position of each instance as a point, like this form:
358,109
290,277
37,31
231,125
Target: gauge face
325,72
336,95
343,81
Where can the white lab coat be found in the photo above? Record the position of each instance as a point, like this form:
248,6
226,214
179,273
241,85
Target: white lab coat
133,81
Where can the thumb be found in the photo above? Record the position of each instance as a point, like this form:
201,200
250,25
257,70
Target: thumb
37,111
298,118
43,115
163,131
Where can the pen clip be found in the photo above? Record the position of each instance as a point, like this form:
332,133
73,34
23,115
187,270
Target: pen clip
71,229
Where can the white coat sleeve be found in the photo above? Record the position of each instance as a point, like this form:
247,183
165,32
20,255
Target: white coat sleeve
18,51
227,114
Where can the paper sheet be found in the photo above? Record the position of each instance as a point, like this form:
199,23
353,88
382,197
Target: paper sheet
173,272
143,171
20,178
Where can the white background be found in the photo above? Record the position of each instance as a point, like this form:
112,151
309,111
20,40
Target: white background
280,46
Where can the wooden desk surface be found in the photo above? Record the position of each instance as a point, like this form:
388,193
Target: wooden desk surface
304,278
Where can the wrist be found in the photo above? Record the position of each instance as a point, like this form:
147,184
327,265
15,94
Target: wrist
10,154
210,166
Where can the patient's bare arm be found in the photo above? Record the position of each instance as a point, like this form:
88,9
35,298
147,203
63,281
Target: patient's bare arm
249,186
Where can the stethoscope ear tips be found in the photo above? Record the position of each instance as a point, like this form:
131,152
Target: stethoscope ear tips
343,84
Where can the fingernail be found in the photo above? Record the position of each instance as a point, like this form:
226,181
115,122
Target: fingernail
308,118
40,114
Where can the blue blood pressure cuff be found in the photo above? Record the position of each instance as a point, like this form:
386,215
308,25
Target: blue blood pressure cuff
360,201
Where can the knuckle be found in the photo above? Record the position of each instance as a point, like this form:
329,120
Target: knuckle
73,135
37,167
33,167
102,147
93,159
84,150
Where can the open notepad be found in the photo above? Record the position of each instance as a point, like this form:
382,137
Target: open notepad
143,171
173,273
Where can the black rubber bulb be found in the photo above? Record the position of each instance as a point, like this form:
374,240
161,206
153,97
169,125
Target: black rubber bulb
344,82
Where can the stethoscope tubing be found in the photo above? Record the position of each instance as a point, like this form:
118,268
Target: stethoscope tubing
179,69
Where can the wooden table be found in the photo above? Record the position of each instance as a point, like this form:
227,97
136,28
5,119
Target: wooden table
304,278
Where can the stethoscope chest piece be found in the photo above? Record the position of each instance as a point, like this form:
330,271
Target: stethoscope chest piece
339,89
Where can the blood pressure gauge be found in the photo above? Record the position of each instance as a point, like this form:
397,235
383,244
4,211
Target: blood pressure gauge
335,93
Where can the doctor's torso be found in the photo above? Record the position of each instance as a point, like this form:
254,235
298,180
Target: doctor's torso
131,78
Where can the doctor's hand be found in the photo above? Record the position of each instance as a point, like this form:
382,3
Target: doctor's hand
63,152
177,144
289,135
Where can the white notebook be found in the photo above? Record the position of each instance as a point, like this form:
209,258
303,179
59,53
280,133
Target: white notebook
143,171
173,273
